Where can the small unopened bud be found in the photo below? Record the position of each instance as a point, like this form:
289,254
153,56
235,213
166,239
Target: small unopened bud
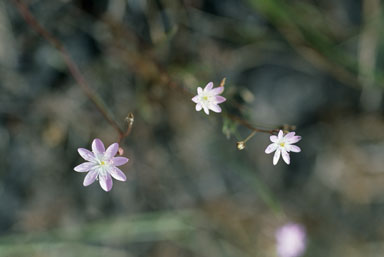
240,145
130,118
222,83
121,151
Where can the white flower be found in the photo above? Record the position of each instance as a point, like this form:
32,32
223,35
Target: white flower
101,164
209,98
283,145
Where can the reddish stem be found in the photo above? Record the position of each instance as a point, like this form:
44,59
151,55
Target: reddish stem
73,68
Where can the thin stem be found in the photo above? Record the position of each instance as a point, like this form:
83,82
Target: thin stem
249,125
250,136
73,68
367,53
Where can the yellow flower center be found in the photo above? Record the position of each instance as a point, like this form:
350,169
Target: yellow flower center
282,144
102,163
205,98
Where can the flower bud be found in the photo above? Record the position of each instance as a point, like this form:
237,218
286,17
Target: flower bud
240,145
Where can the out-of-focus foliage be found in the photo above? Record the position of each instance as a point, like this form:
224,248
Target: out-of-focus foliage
314,64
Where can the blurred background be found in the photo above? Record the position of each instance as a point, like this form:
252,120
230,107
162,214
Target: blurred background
315,64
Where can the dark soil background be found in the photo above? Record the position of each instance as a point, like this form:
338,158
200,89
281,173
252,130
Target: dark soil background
315,64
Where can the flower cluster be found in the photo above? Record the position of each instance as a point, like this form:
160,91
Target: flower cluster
209,98
101,164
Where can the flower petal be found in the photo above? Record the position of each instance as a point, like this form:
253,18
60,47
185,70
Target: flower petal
198,107
276,157
289,135
215,108
117,174
285,155
209,86
217,91
90,178
118,161
111,151
86,154
271,148
98,146
196,99
206,110
84,167
293,148
220,99
273,138
293,140
281,134
106,182
199,90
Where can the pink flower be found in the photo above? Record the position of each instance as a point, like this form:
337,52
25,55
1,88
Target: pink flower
291,240
209,98
101,164
283,145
